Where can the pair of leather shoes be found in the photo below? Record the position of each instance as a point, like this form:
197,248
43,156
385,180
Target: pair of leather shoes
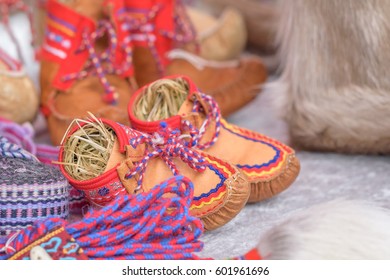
177,129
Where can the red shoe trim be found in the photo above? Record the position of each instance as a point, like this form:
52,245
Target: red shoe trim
165,21
105,187
63,37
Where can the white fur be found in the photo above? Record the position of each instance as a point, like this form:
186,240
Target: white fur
334,62
334,230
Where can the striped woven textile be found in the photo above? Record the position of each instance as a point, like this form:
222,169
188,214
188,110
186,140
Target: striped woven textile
17,140
29,189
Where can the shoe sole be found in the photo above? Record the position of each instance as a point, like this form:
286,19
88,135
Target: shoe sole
236,198
262,190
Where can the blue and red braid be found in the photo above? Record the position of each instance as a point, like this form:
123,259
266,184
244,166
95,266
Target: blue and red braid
150,225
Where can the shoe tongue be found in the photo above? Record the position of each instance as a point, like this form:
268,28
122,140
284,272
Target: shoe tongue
115,156
186,107
162,22
187,113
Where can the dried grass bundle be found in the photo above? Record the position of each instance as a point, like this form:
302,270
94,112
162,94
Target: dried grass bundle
161,100
87,150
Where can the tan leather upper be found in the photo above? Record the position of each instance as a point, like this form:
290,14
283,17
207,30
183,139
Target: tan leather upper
229,146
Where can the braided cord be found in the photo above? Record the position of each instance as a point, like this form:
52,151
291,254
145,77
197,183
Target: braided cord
167,145
18,142
11,150
154,225
18,240
213,115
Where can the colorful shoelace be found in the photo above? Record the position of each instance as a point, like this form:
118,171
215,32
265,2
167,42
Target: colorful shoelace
212,113
100,64
167,144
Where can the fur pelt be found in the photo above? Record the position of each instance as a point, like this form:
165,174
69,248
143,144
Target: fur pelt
335,230
335,61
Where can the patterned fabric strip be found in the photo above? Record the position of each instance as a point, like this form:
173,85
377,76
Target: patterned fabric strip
30,191
56,244
59,35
